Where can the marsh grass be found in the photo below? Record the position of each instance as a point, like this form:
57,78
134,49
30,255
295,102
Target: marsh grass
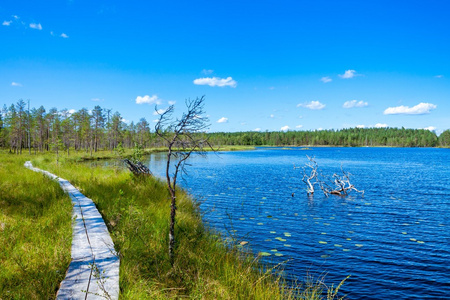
35,232
136,210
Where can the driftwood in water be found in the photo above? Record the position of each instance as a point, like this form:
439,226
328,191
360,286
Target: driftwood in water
312,177
137,168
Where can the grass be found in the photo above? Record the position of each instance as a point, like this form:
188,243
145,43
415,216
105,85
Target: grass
136,211
35,232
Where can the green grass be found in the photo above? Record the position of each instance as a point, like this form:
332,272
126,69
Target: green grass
136,211
35,232
35,238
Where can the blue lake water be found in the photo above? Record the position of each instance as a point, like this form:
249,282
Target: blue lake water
394,241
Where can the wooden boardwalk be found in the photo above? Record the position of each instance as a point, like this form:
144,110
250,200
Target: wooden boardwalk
94,268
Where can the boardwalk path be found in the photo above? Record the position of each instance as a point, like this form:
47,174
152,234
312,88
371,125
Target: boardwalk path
94,268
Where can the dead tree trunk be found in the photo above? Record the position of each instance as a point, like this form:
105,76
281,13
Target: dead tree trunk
312,177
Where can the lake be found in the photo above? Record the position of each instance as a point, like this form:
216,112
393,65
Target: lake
394,241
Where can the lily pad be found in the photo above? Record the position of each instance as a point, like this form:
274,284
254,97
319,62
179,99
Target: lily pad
243,243
269,216
346,250
242,219
421,242
265,254
273,232
404,232
274,250
287,234
359,245
287,245
267,240
324,256
259,223
278,254
414,240
263,198
337,245
348,239
326,224
280,239
322,242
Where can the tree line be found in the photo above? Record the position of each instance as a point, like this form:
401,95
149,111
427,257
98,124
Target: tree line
39,130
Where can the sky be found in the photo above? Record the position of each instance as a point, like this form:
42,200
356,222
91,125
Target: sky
261,65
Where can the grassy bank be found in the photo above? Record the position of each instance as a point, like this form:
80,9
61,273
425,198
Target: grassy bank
35,232
36,222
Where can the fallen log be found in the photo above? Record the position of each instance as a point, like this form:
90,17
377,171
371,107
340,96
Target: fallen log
137,168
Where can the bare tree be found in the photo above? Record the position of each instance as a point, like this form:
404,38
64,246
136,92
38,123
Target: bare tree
182,137
312,176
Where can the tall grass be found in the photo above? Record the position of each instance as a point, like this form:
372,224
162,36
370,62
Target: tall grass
136,211
35,232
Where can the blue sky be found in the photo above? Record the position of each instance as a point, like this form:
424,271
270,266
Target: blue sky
262,65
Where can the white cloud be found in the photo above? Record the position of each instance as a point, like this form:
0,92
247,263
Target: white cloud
6,23
159,112
16,17
437,76
354,103
15,84
381,125
257,129
419,109
430,128
63,35
284,128
207,72
299,126
314,105
125,121
148,99
155,121
172,102
272,116
348,74
222,120
216,81
36,26
360,126
71,111
326,79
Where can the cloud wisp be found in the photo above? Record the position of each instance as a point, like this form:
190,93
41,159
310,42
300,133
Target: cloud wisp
207,71
313,105
37,26
420,109
354,103
285,128
6,23
148,99
216,81
222,120
326,79
348,74
15,84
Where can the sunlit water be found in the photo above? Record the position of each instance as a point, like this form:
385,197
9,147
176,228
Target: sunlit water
394,241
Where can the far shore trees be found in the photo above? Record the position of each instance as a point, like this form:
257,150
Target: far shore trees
91,130
182,137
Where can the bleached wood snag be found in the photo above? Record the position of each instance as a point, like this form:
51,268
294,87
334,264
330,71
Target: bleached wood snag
339,184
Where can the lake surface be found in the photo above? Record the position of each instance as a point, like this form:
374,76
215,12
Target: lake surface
394,241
